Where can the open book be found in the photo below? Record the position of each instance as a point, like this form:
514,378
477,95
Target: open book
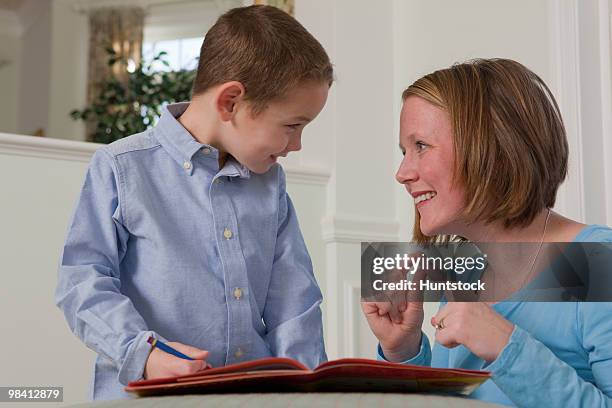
344,375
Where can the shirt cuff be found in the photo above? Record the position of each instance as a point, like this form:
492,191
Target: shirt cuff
422,358
509,353
135,361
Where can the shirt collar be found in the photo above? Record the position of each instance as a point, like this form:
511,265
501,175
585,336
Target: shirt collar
232,169
181,145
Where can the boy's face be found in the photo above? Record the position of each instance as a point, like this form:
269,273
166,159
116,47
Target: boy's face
258,141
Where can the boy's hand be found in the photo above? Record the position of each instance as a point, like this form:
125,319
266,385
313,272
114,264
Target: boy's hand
161,364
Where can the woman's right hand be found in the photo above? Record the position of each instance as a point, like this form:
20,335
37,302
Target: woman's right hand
162,365
397,322
397,327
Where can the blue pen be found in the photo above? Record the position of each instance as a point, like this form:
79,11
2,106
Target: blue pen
164,347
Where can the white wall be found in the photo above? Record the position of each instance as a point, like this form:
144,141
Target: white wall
169,21
353,139
68,71
38,348
595,110
33,105
47,46
10,78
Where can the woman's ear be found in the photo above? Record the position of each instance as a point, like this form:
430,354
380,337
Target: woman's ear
226,98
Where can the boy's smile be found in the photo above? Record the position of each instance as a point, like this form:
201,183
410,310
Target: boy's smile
258,141
223,118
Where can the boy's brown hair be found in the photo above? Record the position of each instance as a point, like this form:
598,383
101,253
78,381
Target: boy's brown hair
265,49
509,141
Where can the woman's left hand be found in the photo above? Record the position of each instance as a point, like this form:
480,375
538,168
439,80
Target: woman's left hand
475,325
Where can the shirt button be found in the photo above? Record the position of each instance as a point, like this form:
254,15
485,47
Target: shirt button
237,293
239,353
206,150
186,165
227,233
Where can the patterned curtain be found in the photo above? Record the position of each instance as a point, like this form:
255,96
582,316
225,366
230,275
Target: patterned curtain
120,28
285,5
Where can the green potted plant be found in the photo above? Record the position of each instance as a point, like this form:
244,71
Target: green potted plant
124,108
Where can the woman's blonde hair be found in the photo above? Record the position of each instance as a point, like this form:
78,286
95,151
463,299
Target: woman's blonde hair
510,145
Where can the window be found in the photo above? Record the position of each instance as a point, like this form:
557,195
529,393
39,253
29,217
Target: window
182,53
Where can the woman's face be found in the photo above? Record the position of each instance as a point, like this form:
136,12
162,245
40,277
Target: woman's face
427,167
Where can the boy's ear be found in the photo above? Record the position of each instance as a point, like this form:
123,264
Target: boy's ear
227,96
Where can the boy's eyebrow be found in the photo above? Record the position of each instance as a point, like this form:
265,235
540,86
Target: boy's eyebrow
301,119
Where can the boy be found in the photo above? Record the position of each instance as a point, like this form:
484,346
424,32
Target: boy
185,232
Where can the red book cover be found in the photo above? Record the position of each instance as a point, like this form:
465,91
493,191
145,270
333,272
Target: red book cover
287,375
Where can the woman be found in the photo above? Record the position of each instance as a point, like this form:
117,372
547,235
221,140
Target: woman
485,151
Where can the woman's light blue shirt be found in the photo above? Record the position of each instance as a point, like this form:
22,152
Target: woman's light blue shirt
163,242
559,354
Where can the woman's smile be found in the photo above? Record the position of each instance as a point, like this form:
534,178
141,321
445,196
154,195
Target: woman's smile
423,197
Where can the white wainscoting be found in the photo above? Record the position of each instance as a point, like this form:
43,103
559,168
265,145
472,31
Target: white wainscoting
347,332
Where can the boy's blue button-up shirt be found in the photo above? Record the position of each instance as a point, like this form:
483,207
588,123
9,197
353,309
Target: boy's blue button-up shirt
163,242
